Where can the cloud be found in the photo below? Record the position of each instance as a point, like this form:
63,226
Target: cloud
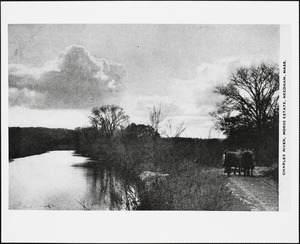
195,96
29,98
189,100
192,97
209,75
74,79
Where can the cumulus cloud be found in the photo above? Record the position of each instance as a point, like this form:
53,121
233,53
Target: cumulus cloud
74,79
29,98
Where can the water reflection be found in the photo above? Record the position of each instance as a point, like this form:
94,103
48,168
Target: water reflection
104,186
63,180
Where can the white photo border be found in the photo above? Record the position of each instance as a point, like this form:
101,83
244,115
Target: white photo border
159,226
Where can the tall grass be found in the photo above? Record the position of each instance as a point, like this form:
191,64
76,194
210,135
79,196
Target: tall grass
190,187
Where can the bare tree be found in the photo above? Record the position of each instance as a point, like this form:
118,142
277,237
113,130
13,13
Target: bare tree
250,98
108,118
173,130
156,116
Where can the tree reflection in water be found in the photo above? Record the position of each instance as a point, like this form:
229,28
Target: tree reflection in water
107,188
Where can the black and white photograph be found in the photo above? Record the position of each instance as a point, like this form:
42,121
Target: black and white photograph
147,117
150,117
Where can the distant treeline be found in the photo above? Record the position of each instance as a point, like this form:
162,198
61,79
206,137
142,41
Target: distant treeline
35,140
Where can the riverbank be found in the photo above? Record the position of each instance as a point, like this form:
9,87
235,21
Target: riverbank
188,184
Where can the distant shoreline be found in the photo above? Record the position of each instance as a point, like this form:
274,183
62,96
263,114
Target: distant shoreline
28,141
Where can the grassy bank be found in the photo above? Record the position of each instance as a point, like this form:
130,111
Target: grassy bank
191,188
192,183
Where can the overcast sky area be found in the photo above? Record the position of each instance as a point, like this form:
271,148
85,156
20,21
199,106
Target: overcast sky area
57,73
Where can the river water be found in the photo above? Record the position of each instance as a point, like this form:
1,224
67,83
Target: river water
62,180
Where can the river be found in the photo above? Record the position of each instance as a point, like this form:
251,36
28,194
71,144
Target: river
62,180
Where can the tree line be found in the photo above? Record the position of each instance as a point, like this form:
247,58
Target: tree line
35,140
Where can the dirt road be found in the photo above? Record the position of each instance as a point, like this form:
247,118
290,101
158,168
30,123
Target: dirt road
258,193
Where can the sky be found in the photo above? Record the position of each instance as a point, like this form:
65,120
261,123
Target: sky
57,73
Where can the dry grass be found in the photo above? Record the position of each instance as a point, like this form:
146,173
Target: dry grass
190,188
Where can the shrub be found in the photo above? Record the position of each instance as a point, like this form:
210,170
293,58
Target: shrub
273,173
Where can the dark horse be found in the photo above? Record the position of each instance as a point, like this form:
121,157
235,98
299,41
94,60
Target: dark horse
232,159
247,162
